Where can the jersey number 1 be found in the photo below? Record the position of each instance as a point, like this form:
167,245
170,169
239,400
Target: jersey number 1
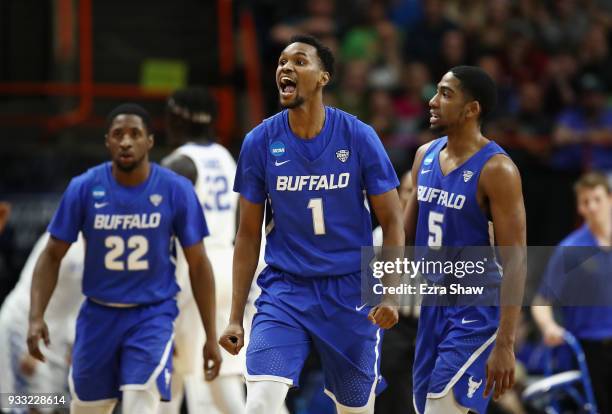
318,222
140,246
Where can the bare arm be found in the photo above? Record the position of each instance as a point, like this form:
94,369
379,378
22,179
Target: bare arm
182,165
542,313
44,280
411,211
388,211
203,287
246,257
508,214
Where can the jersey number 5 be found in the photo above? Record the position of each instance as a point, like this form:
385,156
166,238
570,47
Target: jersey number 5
139,246
434,223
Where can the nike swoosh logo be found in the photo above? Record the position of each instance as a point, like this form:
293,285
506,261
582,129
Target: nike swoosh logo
464,321
100,205
359,308
425,171
278,164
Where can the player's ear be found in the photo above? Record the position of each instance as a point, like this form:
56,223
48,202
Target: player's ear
106,140
473,109
151,141
324,79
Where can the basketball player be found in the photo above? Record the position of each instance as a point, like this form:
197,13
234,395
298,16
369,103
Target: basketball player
211,169
21,373
312,166
463,350
130,211
592,325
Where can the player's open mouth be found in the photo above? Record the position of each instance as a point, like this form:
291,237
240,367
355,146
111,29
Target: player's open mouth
433,117
287,86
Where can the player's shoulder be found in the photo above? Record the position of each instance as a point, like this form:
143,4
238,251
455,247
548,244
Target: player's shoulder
582,236
92,175
500,166
423,149
170,178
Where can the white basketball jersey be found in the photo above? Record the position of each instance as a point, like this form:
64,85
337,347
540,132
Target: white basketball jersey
216,170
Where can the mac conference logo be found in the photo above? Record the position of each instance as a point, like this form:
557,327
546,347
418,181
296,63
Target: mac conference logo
342,155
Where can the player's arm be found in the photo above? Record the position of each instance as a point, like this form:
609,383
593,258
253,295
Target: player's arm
182,165
542,312
246,257
203,287
411,211
44,280
388,211
508,214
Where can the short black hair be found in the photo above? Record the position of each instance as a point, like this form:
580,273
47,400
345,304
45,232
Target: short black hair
195,108
325,54
130,108
478,85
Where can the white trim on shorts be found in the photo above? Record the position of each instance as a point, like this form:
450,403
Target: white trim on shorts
93,403
275,378
151,381
372,393
414,404
464,368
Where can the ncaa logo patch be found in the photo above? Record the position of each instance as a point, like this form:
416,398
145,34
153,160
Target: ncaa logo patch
155,199
342,155
98,192
467,174
428,160
277,148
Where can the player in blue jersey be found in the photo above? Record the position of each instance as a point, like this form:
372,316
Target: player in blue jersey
592,325
459,192
130,211
312,167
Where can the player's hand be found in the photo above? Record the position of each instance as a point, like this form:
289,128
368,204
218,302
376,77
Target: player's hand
553,334
36,331
500,370
232,339
27,365
385,316
212,360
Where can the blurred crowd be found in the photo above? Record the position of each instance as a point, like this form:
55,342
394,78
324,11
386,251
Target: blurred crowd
550,59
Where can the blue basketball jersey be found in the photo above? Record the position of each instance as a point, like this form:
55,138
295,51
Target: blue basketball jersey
129,232
560,284
449,213
317,216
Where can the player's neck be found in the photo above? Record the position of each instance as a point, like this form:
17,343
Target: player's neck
132,178
307,120
602,231
465,140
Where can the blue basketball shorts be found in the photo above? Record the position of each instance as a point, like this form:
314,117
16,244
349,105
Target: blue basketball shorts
122,348
296,313
453,344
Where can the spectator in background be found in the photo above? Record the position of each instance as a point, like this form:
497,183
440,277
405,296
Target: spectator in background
592,325
562,72
583,135
594,54
563,26
410,105
531,126
423,41
351,94
452,53
376,40
318,20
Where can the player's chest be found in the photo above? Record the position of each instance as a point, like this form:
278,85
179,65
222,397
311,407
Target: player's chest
288,171
143,213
